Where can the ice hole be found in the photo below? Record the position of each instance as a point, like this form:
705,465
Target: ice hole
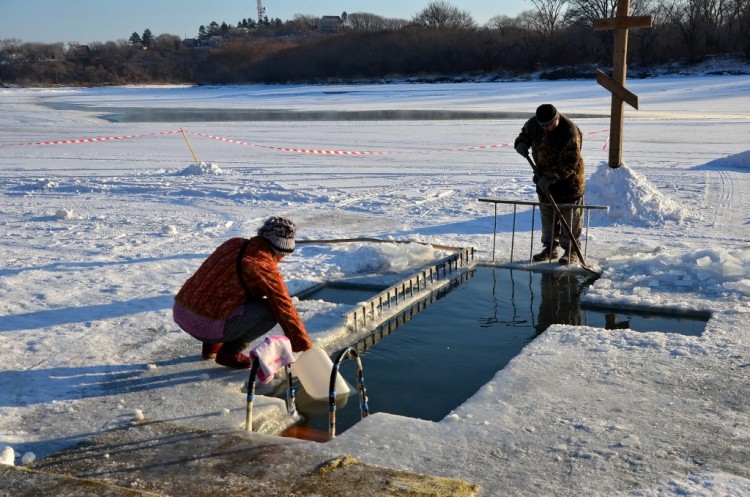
435,354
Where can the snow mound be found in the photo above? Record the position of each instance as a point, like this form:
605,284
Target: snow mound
631,198
64,214
736,161
28,458
713,272
46,184
386,257
202,168
8,456
169,229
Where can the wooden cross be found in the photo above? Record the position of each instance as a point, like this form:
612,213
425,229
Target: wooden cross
616,84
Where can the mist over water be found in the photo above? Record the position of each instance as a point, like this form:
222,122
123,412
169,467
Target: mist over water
195,114
136,115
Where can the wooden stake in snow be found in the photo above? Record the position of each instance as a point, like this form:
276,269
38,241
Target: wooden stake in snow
195,158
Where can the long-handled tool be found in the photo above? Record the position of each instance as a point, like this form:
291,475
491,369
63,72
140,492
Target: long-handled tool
564,223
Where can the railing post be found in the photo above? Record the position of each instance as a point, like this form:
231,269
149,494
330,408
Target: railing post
494,235
533,219
363,405
513,233
584,213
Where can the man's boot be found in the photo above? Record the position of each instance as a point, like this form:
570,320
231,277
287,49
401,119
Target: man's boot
546,255
569,258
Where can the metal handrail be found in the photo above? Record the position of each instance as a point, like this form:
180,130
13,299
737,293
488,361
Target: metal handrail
291,406
391,296
364,408
251,394
534,205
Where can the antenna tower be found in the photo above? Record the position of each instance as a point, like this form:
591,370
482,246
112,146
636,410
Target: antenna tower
261,11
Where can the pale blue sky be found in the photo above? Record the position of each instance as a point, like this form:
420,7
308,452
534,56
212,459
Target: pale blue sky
86,21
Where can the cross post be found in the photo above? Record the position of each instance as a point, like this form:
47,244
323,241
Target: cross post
616,84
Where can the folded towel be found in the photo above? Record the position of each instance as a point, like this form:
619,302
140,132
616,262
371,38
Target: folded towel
274,353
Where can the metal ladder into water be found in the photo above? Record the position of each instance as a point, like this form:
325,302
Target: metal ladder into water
290,394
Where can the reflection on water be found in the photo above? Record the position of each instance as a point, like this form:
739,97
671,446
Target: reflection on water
341,293
558,296
437,356
560,300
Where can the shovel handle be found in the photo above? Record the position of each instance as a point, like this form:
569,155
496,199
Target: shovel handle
548,197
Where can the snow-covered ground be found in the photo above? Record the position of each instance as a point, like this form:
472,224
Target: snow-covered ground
98,235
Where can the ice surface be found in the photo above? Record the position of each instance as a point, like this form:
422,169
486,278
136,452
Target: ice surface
97,238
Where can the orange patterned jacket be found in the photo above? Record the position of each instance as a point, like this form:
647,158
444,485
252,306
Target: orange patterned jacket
214,291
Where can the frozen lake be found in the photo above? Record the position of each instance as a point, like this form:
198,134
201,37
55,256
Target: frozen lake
103,221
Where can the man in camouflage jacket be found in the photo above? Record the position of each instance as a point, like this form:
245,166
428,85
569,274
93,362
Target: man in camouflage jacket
555,142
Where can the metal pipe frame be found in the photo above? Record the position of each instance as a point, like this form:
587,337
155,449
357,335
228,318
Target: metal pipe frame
515,203
364,408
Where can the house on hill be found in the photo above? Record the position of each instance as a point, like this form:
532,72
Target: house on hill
330,24
78,50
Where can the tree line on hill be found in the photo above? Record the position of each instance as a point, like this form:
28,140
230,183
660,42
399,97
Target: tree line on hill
439,41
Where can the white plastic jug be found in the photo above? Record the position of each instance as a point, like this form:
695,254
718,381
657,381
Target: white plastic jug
313,368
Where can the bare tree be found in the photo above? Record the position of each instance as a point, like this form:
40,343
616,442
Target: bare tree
307,21
742,14
167,43
701,23
550,15
440,14
394,24
364,21
10,45
502,22
582,13
507,27
588,10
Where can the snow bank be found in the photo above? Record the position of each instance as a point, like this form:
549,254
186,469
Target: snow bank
64,214
635,279
366,257
632,198
8,456
202,168
736,161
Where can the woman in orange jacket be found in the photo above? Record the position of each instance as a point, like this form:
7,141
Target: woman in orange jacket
238,294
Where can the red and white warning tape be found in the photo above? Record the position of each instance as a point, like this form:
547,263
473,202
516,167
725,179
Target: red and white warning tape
311,151
87,140
289,149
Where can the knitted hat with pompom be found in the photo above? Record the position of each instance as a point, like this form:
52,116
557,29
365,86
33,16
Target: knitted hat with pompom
280,232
